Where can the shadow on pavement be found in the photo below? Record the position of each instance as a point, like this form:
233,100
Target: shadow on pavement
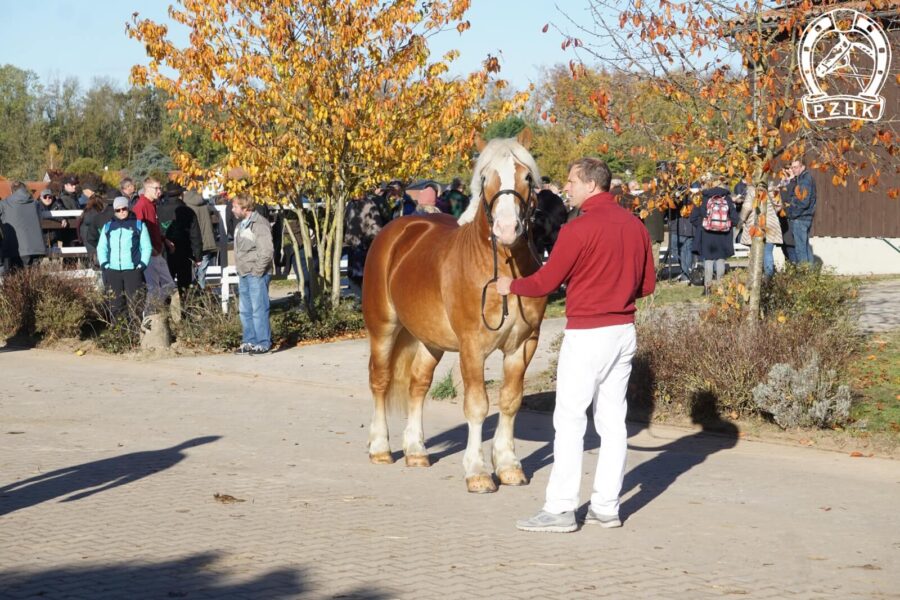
654,476
192,577
91,478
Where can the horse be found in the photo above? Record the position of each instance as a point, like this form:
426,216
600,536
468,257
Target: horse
550,214
427,290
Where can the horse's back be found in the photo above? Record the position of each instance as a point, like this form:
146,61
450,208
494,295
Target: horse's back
402,278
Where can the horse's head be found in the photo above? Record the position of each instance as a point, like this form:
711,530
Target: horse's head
503,188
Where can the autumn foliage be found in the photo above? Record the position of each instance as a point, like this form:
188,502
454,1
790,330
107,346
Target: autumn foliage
317,98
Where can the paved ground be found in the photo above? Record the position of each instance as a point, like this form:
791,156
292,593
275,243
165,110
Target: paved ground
108,470
880,304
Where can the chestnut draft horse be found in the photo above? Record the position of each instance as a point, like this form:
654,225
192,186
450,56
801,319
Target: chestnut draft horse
427,289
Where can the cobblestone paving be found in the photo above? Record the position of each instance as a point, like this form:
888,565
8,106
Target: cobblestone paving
108,470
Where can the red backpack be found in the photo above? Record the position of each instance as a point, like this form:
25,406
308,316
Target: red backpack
717,218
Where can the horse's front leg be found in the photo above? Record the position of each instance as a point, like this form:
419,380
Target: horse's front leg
507,466
478,477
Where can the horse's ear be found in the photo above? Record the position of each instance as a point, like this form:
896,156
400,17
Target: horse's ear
525,137
479,142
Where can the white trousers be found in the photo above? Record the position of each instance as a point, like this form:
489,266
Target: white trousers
160,284
594,367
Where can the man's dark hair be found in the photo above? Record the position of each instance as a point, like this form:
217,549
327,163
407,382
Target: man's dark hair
545,179
125,181
593,170
15,186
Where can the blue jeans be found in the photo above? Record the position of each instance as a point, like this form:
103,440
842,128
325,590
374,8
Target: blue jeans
800,228
769,259
253,305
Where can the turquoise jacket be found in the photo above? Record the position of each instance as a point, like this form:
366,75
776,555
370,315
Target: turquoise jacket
124,245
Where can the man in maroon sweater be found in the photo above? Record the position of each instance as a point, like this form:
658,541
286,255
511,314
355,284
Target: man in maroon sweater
160,284
605,258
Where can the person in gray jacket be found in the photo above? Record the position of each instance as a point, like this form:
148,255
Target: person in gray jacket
23,244
203,210
253,254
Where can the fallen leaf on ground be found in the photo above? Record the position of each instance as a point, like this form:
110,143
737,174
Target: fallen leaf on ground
856,454
227,498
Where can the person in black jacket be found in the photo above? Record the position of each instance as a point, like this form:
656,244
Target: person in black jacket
713,246
97,213
183,230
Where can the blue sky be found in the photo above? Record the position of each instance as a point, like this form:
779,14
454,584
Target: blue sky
86,38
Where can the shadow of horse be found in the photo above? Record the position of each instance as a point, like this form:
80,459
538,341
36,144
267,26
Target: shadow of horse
82,481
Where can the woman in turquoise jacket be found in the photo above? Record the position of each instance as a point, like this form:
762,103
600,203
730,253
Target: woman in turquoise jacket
123,252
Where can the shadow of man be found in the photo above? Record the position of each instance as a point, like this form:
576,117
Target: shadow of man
91,478
654,476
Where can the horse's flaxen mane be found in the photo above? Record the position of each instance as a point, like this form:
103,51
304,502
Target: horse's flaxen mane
493,155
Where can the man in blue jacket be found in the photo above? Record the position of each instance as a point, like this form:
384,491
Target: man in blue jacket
123,252
801,208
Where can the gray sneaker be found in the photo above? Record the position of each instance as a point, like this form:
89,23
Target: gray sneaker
548,522
607,522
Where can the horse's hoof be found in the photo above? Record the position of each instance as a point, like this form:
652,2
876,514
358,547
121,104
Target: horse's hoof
481,484
381,458
513,476
418,460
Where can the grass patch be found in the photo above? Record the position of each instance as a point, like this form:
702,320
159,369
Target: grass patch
444,389
876,378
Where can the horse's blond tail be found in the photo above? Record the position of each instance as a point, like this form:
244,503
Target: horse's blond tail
402,356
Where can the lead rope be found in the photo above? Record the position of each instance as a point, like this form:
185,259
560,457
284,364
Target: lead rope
493,280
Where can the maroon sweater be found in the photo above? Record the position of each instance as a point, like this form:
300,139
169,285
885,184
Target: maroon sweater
145,211
604,255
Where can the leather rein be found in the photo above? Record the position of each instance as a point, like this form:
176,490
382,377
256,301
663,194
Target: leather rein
488,206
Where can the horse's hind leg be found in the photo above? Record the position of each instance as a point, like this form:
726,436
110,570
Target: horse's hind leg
506,465
421,376
380,375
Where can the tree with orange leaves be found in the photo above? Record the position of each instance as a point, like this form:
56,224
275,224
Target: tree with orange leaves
317,98
730,74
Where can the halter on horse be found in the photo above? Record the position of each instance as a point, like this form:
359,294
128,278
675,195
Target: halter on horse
424,294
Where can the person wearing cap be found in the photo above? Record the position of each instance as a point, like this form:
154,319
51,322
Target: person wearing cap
68,198
123,251
52,237
426,203
88,190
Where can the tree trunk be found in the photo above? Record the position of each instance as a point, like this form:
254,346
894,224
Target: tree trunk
307,259
755,267
337,247
298,256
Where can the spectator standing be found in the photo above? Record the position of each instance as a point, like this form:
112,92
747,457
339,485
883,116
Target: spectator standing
773,228
362,222
604,256
68,196
426,203
401,204
681,234
183,232
23,244
713,221
159,281
653,221
96,214
123,251
127,190
800,203
88,191
208,247
52,237
253,254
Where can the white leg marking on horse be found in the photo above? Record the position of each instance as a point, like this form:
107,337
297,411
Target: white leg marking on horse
504,449
473,459
413,435
378,433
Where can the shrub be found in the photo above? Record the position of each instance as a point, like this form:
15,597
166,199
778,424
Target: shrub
294,324
717,353
46,302
204,326
804,397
